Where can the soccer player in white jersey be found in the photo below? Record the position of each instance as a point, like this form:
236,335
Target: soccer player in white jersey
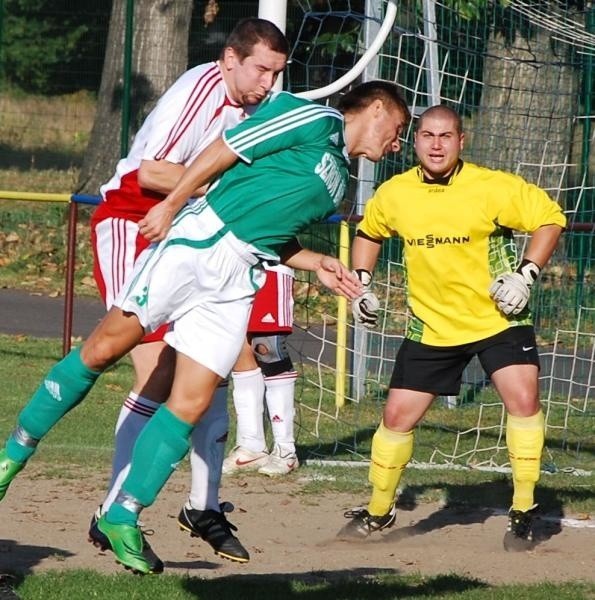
193,112
279,171
467,295
266,372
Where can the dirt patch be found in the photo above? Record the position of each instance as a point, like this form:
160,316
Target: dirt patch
44,526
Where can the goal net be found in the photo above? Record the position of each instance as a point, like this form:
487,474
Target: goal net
522,77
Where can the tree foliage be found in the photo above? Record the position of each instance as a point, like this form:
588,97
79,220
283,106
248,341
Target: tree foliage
473,9
50,46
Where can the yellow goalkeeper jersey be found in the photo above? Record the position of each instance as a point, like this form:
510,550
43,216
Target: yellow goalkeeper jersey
456,239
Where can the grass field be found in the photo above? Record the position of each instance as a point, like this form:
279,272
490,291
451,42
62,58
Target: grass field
66,451
85,584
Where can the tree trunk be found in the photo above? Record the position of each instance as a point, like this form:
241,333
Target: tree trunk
159,56
530,96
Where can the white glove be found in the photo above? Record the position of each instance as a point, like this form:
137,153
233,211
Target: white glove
511,291
365,307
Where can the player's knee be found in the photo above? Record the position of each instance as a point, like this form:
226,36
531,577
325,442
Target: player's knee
99,355
272,354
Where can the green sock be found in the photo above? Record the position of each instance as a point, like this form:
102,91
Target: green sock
63,388
161,445
119,515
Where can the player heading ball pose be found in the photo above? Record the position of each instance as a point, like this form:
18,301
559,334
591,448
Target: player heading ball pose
283,168
467,295
194,111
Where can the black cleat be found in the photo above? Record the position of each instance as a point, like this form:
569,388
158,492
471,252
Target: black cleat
214,528
519,534
101,541
362,523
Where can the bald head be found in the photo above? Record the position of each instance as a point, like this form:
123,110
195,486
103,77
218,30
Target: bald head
438,141
444,113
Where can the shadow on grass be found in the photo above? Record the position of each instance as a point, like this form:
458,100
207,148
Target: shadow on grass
13,554
7,584
360,584
363,584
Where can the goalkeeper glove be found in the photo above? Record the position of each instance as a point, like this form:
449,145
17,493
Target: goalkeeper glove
511,291
365,307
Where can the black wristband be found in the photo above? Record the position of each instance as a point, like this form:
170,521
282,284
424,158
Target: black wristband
529,270
364,276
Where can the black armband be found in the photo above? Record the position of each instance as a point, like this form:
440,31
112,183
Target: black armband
360,233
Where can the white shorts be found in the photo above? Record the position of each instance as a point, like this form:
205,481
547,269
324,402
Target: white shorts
202,280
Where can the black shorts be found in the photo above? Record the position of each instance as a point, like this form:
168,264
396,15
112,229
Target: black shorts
438,369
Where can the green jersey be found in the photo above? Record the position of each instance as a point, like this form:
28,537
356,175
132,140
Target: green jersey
293,171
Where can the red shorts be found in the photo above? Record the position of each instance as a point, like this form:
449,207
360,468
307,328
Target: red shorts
116,245
272,311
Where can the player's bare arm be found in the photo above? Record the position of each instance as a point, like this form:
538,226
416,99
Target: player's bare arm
216,158
160,175
364,253
331,272
543,243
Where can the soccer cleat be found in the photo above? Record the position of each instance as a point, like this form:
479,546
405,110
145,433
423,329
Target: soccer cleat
362,523
8,471
128,544
96,537
279,464
242,459
214,528
519,533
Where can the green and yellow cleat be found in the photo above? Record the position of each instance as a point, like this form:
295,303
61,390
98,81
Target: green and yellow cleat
8,471
129,546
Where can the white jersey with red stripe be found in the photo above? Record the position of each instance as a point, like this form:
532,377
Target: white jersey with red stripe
191,114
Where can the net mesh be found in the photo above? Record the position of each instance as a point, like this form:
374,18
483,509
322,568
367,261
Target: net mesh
521,76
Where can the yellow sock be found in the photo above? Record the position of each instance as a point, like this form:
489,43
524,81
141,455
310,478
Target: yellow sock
391,451
525,438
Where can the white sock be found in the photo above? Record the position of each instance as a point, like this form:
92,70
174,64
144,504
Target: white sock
134,414
279,395
248,393
207,452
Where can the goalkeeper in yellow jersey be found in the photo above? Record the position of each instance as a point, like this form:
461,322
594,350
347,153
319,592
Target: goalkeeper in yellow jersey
467,295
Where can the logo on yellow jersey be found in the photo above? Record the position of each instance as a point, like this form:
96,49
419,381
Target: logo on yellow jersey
431,240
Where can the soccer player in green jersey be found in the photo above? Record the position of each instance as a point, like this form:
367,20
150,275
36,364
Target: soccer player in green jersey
467,296
281,170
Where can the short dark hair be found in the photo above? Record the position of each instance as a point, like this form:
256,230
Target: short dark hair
442,110
362,95
249,32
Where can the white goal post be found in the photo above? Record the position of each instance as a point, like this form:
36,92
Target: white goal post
276,11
